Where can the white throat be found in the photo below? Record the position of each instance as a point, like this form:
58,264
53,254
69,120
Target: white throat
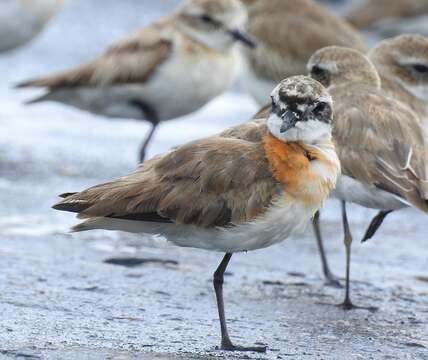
310,132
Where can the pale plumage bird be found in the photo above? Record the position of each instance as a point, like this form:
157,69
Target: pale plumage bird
22,20
373,12
165,70
288,32
379,140
247,188
402,64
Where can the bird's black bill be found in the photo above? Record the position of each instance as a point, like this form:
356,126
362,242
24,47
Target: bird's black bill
242,37
289,120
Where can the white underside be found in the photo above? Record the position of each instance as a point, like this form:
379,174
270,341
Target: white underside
351,190
181,85
279,222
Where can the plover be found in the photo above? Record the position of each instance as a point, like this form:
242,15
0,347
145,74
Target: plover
287,33
163,71
379,140
402,64
247,188
22,20
371,12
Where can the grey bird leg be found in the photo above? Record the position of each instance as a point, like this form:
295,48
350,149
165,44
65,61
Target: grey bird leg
153,119
347,303
375,224
226,343
331,280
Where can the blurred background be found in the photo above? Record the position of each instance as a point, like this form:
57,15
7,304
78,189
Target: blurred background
61,298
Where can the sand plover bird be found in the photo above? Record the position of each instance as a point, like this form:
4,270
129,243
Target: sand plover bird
288,32
244,189
379,140
22,20
166,70
374,11
402,64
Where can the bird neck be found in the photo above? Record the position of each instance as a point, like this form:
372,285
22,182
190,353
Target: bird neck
307,172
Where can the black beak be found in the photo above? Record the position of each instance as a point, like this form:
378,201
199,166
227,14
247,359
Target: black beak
289,120
246,39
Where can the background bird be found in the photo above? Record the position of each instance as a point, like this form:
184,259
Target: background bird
402,63
374,12
22,20
166,70
248,188
379,140
288,32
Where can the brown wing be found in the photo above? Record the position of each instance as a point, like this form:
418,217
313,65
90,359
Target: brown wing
132,60
288,33
381,142
212,182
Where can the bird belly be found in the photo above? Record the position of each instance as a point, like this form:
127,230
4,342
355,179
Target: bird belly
283,219
187,82
369,196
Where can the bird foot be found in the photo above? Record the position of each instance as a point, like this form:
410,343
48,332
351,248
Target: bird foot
332,281
228,346
348,305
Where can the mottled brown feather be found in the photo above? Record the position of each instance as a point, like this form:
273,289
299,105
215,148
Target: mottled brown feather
217,181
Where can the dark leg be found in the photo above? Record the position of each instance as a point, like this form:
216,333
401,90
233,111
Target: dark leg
331,280
147,140
226,343
347,303
375,224
151,116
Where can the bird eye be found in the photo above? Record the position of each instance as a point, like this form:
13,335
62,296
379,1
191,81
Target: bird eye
316,70
207,19
320,75
320,107
420,68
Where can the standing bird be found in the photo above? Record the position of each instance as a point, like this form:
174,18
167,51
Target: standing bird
22,20
402,64
379,140
165,70
372,12
288,32
247,188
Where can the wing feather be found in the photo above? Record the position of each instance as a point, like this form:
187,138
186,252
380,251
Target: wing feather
217,181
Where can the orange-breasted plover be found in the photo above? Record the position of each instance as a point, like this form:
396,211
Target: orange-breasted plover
166,70
247,188
379,140
287,33
371,12
22,20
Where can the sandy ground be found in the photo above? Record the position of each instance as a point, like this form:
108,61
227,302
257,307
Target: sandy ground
60,299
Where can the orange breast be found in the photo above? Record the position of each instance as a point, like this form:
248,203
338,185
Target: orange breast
290,164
